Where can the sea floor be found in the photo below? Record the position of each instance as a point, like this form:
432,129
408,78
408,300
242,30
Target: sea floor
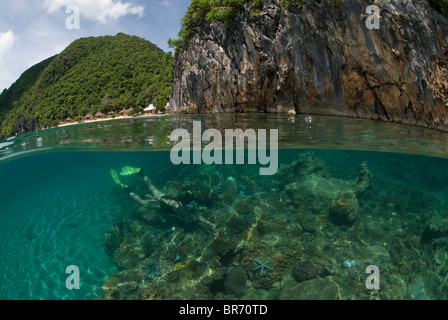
284,236
309,232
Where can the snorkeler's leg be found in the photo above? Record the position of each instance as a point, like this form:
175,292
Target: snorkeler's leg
155,192
143,203
151,197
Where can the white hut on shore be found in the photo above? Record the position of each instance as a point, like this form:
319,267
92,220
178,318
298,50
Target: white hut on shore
150,109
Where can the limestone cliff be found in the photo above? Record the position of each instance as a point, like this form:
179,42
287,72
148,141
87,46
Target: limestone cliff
321,59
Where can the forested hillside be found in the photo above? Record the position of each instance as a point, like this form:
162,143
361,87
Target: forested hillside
95,74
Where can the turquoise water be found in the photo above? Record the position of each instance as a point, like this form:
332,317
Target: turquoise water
57,206
54,209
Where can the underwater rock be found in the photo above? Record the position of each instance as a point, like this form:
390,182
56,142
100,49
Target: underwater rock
304,271
156,292
149,241
316,193
109,287
127,256
417,290
112,240
127,287
344,210
363,181
235,282
237,225
270,224
313,194
222,247
313,188
436,228
246,206
226,191
315,289
306,165
377,255
190,268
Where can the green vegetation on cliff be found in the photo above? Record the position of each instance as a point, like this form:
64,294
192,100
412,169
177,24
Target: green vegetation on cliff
95,74
219,10
226,10
205,10
442,5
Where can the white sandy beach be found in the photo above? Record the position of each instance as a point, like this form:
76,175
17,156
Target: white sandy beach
65,124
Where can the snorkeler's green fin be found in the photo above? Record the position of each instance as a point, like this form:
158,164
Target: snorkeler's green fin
114,175
129,171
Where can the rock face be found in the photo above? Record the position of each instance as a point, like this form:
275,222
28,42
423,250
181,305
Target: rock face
321,59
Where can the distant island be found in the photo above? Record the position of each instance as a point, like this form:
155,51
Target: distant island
92,78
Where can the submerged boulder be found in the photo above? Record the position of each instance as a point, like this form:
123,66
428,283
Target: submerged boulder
317,194
305,166
235,282
344,210
127,256
363,181
305,270
436,228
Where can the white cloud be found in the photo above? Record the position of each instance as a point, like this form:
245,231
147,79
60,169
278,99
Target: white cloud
98,10
7,40
165,3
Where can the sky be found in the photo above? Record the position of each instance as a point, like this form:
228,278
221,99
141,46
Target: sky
33,30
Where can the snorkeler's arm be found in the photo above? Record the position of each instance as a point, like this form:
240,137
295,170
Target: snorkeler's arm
206,222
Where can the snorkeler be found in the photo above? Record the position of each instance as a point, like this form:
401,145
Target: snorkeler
169,205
